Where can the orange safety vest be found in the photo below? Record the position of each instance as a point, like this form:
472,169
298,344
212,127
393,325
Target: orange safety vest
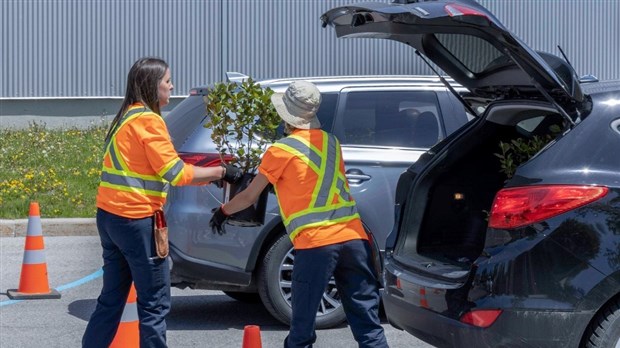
138,164
325,213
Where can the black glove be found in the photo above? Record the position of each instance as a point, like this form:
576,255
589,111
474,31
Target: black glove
232,174
218,220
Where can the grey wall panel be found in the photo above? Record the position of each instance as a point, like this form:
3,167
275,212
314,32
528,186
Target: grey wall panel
73,48
587,30
284,38
65,48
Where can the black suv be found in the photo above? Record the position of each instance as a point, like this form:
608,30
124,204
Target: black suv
507,233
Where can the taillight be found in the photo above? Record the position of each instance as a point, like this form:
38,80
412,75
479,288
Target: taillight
203,159
455,10
481,318
517,207
467,14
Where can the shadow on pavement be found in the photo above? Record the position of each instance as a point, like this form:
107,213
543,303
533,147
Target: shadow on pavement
202,312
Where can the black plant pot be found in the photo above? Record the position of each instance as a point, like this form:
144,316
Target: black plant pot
253,215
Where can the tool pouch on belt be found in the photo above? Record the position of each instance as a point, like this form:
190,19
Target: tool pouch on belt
160,234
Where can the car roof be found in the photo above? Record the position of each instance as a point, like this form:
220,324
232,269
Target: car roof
336,83
601,87
328,84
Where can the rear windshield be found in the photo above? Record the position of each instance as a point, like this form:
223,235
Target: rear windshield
476,54
185,118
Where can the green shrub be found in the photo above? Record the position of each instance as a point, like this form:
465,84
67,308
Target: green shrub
243,121
520,150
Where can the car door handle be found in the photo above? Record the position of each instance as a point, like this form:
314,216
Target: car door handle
356,176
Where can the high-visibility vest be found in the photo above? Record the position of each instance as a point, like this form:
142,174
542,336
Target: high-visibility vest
331,201
119,177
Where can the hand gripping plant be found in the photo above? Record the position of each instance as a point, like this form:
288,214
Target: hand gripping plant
243,123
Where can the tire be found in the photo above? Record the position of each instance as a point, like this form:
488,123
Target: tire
274,287
245,297
604,331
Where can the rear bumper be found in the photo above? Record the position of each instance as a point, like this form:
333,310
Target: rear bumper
200,274
523,328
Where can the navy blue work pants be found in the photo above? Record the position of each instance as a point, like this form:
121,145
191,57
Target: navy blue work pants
351,265
129,255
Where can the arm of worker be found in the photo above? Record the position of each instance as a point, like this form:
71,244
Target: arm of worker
226,172
241,201
248,196
207,174
167,163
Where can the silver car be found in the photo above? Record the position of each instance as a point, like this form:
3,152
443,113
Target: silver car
384,124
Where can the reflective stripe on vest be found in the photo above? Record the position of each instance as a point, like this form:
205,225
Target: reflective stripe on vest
119,177
326,164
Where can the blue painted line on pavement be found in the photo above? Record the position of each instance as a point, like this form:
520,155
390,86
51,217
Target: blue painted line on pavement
5,303
78,282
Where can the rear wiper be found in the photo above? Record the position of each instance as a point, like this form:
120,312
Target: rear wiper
447,84
543,91
582,79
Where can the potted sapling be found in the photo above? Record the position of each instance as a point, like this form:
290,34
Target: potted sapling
243,123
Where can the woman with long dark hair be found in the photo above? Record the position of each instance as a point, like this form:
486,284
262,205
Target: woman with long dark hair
138,165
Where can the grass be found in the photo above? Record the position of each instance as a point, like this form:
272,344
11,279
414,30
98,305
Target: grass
60,169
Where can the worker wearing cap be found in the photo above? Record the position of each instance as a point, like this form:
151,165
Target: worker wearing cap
307,171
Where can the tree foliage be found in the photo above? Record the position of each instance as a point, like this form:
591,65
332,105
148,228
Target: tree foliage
243,121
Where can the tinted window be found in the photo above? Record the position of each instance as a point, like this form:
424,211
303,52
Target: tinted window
389,118
541,125
474,53
327,110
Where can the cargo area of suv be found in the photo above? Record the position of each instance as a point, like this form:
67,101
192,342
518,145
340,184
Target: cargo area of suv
460,187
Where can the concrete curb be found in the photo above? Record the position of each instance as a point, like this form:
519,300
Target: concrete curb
51,227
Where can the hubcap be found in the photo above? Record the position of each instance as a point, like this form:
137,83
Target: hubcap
331,299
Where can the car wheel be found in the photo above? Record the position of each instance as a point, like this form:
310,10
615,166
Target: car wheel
274,287
245,297
604,332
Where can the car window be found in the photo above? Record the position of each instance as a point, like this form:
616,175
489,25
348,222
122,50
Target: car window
476,54
389,118
540,125
327,110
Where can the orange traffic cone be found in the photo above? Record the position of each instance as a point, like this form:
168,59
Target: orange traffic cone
251,337
128,333
33,282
